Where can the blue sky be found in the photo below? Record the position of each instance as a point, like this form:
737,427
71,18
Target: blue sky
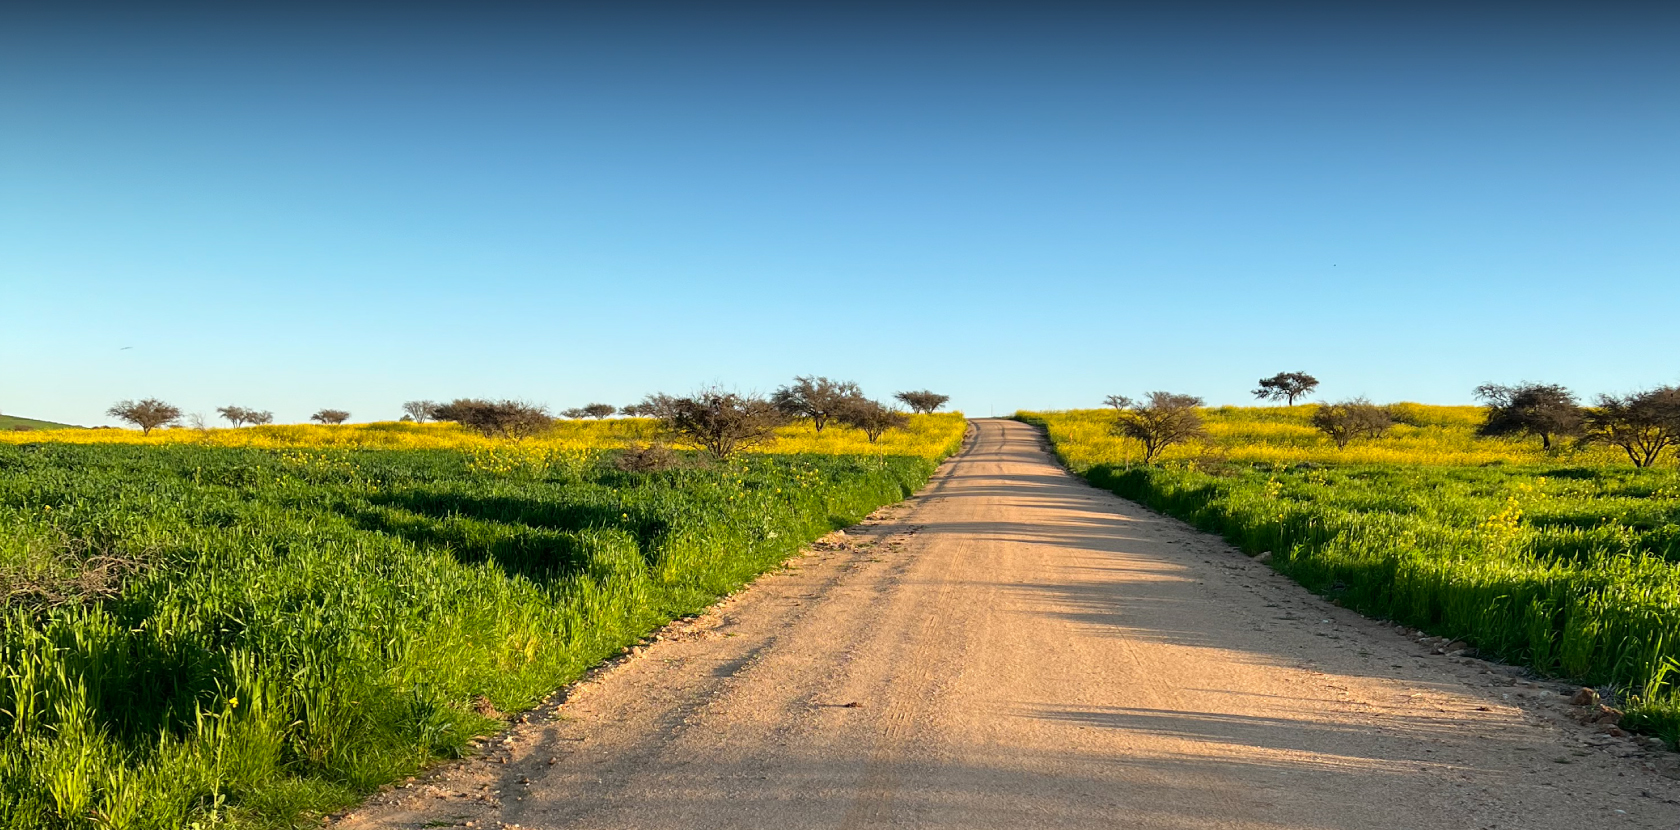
357,206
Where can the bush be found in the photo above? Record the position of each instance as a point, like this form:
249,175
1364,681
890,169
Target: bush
505,418
1345,421
872,417
720,421
1161,421
647,458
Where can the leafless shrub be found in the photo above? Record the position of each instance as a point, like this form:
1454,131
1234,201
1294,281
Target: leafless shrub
1347,420
48,569
1160,421
330,416
647,458
872,417
148,414
720,421
1643,424
923,402
816,398
507,418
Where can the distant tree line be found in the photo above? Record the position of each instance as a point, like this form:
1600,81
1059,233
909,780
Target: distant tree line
719,420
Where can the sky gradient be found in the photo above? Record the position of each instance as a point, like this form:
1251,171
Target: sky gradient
357,206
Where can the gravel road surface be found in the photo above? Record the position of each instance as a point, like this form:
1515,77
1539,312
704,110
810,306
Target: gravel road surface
1014,649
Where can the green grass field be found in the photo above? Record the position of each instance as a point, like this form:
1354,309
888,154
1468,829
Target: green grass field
251,636
1570,568
12,422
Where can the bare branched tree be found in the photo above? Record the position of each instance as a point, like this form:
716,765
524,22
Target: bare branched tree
816,398
1347,420
420,411
1541,409
658,406
330,416
1160,421
1286,386
148,414
1643,424
235,415
923,402
873,417
505,419
720,421
259,417
1119,402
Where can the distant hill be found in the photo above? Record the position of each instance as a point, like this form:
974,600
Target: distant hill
11,422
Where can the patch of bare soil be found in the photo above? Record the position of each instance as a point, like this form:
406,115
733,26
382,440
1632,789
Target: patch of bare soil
1013,648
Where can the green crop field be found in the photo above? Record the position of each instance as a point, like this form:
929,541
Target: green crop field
1568,563
200,634
12,423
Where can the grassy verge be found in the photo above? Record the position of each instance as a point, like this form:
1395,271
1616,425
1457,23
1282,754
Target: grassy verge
1573,571
211,635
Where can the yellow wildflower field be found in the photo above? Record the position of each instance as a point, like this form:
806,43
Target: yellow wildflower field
1432,435
927,436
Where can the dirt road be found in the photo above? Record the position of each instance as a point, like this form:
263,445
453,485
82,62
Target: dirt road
1014,649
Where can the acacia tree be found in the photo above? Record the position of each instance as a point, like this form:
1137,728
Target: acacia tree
1119,402
505,418
872,417
1159,421
922,402
657,406
239,416
594,410
236,415
815,398
330,416
1643,424
420,411
720,421
1541,409
147,414
1286,386
1347,420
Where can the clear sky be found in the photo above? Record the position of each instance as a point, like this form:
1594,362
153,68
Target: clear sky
356,206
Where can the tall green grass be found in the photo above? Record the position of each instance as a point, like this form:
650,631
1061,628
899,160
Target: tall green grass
1573,571
199,636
